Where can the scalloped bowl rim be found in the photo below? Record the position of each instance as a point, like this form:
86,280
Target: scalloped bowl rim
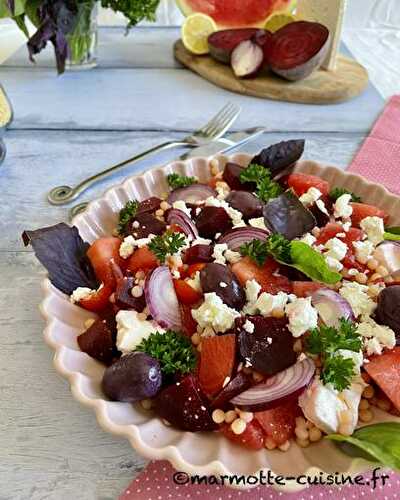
172,453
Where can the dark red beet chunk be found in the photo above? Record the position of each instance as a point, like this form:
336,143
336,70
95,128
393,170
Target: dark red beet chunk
149,205
211,278
231,176
98,342
247,203
198,253
321,218
212,220
124,298
184,406
240,383
388,310
221,43
148,224
269,348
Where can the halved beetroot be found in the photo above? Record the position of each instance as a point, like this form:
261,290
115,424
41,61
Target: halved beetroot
385,371
252,437
298,49
216,362
221,43
184,406
98,342
278,423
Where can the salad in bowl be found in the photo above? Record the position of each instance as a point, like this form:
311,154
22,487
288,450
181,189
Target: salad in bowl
261,305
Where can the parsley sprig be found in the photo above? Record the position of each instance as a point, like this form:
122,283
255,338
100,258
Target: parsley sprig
326,341
167,244
276,246
176,181
266,188
126,214
173,351
338,192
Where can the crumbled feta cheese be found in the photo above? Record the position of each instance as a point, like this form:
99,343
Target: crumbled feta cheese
346,226
252,289
372,346
334,264
222,284
358,298
201,241
222,190
374,228
232,257
195,282
127,247
81,293
311,196
321,205
215,314
302,316
383,334
323,405
342,207
181,205
258,222
218,253
248,326
132,329
235,215
129,244
363,250
308,239
337,249
266,303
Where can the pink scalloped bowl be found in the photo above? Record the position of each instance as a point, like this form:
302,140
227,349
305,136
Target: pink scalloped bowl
194,453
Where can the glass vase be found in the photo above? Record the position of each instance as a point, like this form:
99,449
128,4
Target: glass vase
83,39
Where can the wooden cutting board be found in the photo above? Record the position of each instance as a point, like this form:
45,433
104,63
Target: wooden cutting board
322,87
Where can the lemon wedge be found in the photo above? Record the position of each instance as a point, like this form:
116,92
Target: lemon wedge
195,32
279,20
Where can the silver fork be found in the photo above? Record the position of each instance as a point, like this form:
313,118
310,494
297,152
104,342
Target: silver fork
213,130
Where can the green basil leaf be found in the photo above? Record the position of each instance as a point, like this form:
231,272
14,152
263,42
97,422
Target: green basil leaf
391,236
312,263
381,441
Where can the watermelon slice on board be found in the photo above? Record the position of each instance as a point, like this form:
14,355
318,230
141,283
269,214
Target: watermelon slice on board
236,13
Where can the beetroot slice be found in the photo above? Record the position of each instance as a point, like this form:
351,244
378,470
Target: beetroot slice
221,43
298,49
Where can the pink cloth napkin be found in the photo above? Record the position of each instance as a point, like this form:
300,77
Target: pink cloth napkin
379,161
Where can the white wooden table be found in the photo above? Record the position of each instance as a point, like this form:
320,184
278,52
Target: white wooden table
64,129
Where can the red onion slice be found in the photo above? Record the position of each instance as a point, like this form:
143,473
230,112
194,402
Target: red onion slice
161,299
388,255
237,237
191,194
285,385
178,217
331,307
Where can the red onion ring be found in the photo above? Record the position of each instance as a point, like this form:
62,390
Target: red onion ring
191,194
178,217
238,236
161,299
285,385
331,306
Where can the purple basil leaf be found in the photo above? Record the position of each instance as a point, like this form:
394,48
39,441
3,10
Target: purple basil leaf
288,216
280,156
38,41
61,51
61,250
